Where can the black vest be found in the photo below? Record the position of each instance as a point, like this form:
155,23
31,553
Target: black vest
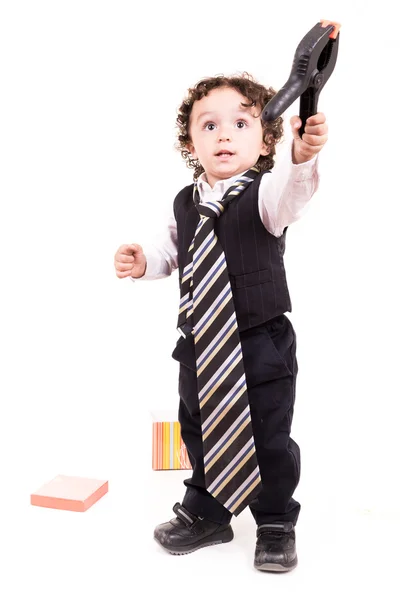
254,256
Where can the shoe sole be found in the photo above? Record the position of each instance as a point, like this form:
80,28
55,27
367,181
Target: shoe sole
276,567
220,538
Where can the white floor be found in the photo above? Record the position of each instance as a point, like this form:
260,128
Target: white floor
108,552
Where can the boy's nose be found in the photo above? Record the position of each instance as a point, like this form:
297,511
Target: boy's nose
224,137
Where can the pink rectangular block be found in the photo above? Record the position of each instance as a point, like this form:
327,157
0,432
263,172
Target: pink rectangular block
70,493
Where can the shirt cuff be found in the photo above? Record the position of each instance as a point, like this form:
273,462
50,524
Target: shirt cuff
306,170
155,265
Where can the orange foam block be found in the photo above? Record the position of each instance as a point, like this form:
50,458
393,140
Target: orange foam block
70,493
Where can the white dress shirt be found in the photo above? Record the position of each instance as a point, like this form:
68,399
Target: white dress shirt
282,199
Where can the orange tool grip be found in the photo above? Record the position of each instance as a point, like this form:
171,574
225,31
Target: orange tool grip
336,25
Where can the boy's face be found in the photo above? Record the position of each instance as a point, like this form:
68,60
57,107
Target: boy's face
226,137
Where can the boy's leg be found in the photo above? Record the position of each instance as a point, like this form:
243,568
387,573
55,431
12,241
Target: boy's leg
197,500
269,354
200,519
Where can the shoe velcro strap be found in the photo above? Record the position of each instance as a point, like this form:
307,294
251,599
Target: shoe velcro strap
276,527
184,515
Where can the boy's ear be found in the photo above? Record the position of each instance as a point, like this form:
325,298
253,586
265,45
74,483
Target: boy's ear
266,147
192,150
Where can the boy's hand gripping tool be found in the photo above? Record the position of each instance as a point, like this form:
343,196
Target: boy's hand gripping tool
313,63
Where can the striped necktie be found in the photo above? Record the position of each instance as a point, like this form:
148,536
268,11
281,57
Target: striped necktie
206,309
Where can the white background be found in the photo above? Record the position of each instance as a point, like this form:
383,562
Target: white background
89,92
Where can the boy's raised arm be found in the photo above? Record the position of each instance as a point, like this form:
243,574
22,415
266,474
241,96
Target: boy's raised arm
285,192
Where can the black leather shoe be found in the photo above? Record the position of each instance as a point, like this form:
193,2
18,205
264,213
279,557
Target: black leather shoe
276,547
188,533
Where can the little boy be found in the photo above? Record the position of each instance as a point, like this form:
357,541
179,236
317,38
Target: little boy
237,350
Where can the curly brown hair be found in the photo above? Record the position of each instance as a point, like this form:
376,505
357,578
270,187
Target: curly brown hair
256,94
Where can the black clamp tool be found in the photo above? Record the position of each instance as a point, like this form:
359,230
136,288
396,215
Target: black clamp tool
313,64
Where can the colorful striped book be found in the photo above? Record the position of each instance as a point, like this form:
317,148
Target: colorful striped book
169,450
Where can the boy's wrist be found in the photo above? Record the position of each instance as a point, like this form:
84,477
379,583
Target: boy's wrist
144,272
299,158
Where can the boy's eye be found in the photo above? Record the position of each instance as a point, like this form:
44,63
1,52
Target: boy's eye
240,124
209,126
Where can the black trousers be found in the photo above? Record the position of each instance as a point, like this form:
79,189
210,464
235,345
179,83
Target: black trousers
269,356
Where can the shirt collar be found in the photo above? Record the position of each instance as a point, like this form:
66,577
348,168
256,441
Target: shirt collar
219,188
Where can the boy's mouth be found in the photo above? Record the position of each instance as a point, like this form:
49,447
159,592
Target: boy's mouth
224,153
